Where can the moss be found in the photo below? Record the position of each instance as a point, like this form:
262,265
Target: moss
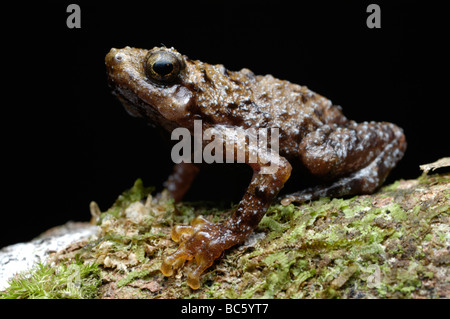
393,186
132,276
392,244
73,281
135,193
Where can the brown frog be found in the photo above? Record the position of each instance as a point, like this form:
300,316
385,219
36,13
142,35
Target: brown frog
172,91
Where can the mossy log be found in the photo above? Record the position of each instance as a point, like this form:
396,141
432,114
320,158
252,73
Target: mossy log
392,244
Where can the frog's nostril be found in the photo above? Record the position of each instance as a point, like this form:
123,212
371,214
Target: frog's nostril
113,57
118,57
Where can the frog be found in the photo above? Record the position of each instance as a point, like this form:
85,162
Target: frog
169,90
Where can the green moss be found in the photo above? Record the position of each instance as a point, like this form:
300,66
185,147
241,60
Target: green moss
272,224
73,281
392,187
135,193
374,246
397,212
132,276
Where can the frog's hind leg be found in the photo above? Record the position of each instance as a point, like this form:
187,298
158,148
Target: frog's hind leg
357,158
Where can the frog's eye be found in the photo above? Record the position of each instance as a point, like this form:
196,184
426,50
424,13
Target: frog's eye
163,67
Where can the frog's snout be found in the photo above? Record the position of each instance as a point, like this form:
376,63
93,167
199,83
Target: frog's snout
113,58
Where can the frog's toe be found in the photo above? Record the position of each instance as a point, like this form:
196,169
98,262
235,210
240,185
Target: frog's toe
299,197
182,233
197,267
173,262
286,201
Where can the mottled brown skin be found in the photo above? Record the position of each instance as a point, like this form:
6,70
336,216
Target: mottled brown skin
170,90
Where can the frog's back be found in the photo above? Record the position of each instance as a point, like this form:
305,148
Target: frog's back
242,99
295,109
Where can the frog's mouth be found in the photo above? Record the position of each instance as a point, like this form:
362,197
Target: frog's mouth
134,106
130,107
141,109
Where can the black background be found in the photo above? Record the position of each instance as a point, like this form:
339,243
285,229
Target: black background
67,141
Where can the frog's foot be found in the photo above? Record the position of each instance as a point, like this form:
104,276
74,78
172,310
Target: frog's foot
200,243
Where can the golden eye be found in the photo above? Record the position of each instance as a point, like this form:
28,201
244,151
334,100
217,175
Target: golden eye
163,67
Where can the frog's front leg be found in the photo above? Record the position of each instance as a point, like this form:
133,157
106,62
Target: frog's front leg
181,179
202,242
